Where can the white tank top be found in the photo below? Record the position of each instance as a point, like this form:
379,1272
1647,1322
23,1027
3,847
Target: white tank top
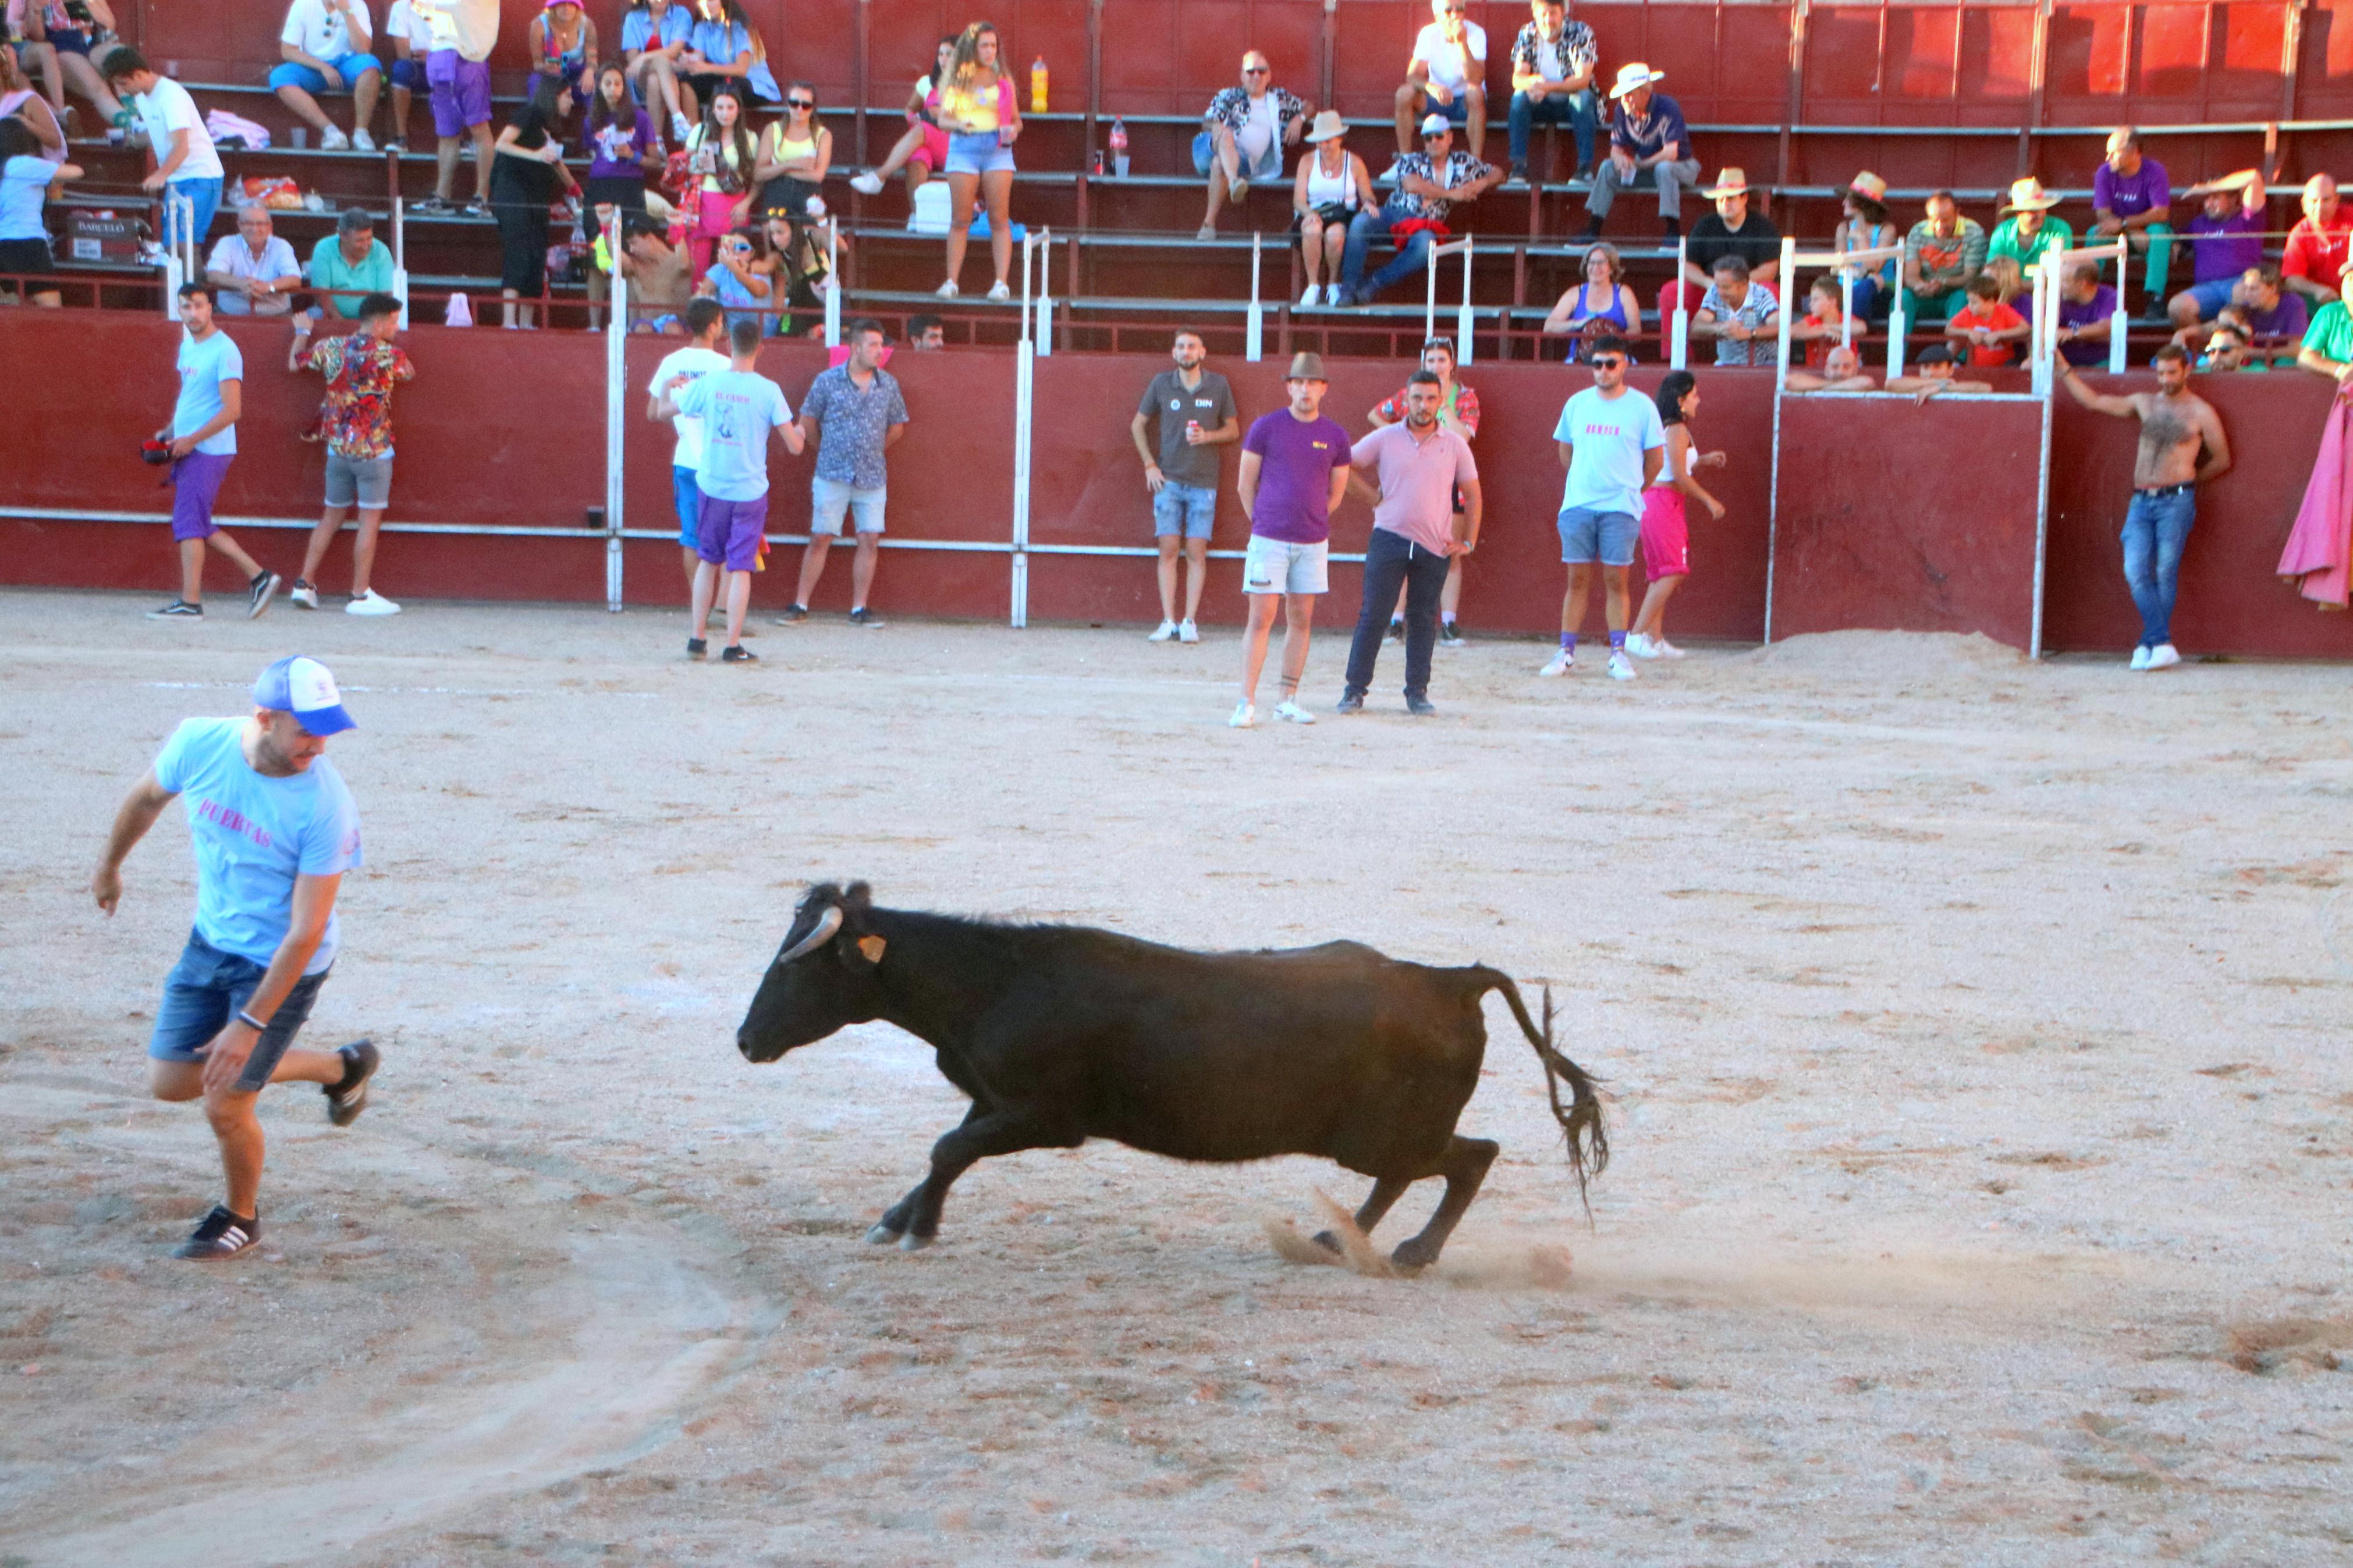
1327,190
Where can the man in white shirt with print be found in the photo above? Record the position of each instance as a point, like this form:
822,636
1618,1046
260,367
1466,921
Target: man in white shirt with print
1448,74
706,330
1613,443
327,46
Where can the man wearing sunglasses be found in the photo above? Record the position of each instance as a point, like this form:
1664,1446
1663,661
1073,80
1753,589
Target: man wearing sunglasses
1243,133
1613,443
1428,184
1446,76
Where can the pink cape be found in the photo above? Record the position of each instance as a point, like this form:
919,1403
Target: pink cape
2320,554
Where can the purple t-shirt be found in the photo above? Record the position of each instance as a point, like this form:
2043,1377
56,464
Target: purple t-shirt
2225,247
2285,320
2074,312
616,148
1296,457
2130,196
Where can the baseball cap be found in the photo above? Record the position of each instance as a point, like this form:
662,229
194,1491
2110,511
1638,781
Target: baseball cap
1435,124
303,687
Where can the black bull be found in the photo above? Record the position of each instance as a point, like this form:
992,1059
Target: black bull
1060,1034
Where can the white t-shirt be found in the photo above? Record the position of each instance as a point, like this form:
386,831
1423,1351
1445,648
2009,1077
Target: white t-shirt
166,108
311,29
404,23
697,363
1608,436
469,26
1447,67
1257,133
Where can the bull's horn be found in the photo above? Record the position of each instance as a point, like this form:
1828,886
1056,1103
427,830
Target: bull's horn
827,925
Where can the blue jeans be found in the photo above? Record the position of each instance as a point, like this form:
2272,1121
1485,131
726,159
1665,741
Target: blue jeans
1579,109
204,196
1411,259
1391,559
1187,511
2156,528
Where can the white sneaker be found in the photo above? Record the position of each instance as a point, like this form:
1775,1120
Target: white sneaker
865,182
1293,712
1245,716
2163,657
2139,658
947,291
1311,296
304,595
1639,646
332,139
362,141
1331,295
1662,648
371,603
1000,292
1562,663
681,128
1620,667
1187,632
1164,633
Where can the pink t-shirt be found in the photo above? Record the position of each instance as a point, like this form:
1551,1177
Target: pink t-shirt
1417,481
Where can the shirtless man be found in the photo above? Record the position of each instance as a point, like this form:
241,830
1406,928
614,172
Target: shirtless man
2175,423
1842,373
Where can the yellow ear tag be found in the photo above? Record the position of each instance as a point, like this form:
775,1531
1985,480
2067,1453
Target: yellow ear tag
872,946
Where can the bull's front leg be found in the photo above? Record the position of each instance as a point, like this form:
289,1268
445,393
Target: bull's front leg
894,1223
1004,1131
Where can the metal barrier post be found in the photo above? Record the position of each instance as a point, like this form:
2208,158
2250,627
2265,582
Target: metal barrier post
616,403
1254,324
1897,325
832,283
179,221
400,260
1044,335
1789,282
1024,371
1463,317
1679,344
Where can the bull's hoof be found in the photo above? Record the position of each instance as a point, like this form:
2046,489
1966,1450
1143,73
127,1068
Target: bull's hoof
910,1242
1414,1255
882,1236
1328,1242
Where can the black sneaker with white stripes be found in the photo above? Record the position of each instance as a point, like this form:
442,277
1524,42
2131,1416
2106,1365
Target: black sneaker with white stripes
348,1098
178,610
220,1235
262,589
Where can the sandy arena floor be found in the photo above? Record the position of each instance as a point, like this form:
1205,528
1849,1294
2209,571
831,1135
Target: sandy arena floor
1978,1033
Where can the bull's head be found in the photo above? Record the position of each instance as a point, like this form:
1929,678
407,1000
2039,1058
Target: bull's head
823,978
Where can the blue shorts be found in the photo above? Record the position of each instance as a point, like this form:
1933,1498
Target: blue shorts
1186,509
409,73
1609,537
687,496
1270,167
1457,113
2211,297
204,992
978,153
351,68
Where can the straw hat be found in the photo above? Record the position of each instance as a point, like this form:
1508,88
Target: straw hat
1631,77
1305,367
1870,186
1326,125
2026,196
1732,182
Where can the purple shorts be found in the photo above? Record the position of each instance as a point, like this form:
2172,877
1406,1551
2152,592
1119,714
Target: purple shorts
728,533
461,91
195,481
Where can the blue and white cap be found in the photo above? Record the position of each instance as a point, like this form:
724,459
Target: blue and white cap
303,687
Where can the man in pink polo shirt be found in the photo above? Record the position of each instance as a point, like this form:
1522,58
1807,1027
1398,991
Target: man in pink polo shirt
1416,533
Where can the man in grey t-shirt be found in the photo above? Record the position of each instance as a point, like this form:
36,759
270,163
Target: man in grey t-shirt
1197,415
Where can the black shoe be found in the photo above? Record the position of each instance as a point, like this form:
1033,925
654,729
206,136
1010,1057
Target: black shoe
1397,631
866,618
348,1098
736,653
1589,233
696,647
793,615
1421,707
265,588
1450,634
478,207
1519,171
1350,702
219,1234
178,610
1672,231
433,206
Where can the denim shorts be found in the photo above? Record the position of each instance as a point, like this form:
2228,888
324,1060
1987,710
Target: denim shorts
686,496
365,482
978,153
1609,537
829,500
1268,167
1186,509
2211,297
205,989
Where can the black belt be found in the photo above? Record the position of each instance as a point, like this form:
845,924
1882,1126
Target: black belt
2184,486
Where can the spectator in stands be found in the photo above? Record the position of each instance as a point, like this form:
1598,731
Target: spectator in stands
719,51
1865,227
1294,471
660,279
1243,133
64,36
1424,519
1458,410
351,263
2087,309
2225,240
530,157
1196,415
563,43
1732,229
2328,343
410,33
2029,233
25,180
1738,314
19,102
2313,262
982,117
923,149
326,45
1446,76
2227,347
1666,525
654,35
1841,370
926,334
1987,326
722,156
1941,253
2132,196
859,415
2271,316
1428,184
795,153
458,74
742,276
1553,62
361,369
1614,445
1332,187
1936,366
253,271
203,438
186,166
706,331
1825,326
622,146
1604,304
1648,142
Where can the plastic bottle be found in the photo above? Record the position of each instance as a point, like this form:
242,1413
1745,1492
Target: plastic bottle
1037,85
1119,146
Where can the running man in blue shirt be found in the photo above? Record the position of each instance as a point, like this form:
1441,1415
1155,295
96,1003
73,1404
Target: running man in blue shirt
274,831
202,443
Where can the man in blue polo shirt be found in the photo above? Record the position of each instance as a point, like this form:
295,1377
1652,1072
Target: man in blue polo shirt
274,831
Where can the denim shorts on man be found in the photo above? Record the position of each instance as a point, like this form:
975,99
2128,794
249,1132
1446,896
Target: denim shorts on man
1268,167
1609,537
1186,509
351,68
205,991
830,500
1279,566
364,482
686,496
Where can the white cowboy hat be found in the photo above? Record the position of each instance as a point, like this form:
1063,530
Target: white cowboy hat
1732,182
1631,77
2026,196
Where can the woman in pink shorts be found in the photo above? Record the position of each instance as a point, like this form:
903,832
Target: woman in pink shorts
1666,532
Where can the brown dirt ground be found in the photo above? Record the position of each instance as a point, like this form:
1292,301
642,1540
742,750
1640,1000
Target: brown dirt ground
1977,1030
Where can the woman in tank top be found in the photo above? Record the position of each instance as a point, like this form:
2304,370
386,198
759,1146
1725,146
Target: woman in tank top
1666,530
1333,186
795,153
978,112
18,100
1603,299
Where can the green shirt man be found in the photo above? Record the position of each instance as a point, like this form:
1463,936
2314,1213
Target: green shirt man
333,267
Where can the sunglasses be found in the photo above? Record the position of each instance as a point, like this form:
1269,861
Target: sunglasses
1609,361
800,104
1254,70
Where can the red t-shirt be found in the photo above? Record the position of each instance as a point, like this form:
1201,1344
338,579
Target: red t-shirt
2318,254
2002,317
1818,350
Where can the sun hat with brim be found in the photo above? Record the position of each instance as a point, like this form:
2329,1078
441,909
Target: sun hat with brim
1327,124
1732,182
1868,185
2026,196
1305,367
1631,77
301,686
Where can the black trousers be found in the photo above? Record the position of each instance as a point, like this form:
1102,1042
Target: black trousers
1391,559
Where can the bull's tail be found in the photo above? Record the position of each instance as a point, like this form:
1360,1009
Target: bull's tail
1580,1118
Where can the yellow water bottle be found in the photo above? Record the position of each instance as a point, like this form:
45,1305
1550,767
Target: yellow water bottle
1037,85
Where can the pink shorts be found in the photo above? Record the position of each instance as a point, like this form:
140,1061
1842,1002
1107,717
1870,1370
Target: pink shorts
934,153
1666,534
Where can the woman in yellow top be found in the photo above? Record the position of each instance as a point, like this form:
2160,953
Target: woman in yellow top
722,154
795,153
978,112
